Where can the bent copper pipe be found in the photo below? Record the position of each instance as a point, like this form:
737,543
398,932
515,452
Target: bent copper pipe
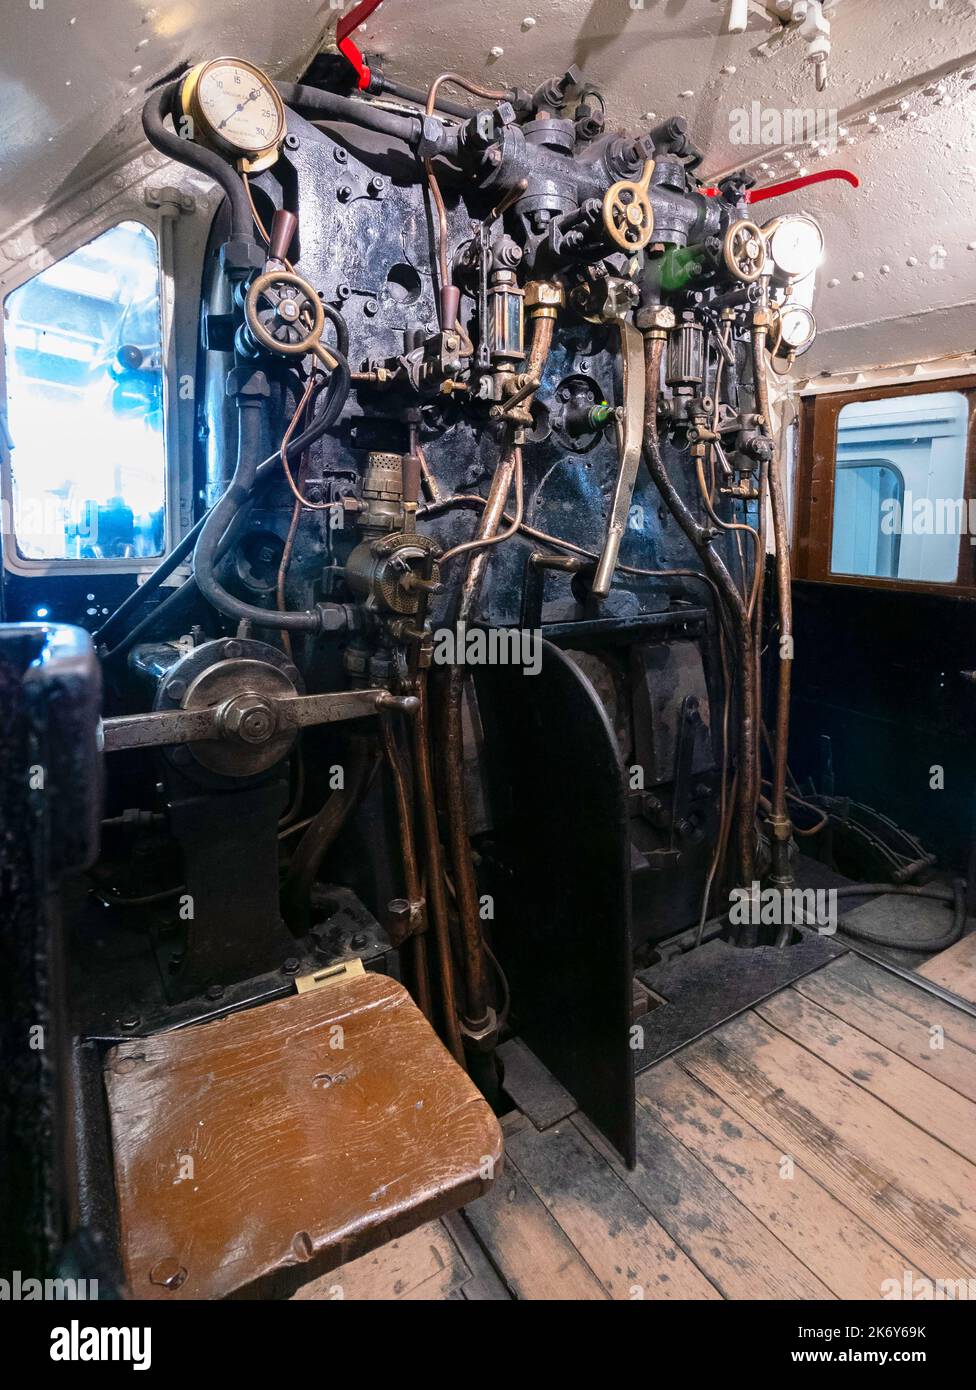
322,833
742,627
437,897
411,873
779,820
476,1014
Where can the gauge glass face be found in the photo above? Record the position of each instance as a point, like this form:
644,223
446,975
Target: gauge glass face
797,329
239,105
796,245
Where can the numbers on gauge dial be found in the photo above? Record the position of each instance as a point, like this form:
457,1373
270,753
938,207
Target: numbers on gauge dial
239,107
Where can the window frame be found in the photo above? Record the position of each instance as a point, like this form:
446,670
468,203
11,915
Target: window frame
80,235
813,516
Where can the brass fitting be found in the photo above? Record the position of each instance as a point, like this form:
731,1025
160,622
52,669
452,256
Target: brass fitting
544,298
656,321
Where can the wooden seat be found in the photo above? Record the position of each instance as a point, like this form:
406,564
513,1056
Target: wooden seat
264,1149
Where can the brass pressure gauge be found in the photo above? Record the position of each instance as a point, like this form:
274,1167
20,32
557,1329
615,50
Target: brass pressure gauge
796,246
234,108
794,331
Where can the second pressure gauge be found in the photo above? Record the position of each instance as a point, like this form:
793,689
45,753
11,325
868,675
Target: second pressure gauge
235,109
795,245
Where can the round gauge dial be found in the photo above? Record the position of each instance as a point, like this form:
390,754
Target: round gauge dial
236,108
797,328
796,245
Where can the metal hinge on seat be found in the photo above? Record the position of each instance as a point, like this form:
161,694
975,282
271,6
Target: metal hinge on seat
329,975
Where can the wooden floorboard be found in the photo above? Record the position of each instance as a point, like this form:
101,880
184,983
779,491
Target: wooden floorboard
731,1246
836,1245
906,1089
815,1147
955,968
629,1252
916,1193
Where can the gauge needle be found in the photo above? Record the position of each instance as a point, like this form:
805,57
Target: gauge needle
240,106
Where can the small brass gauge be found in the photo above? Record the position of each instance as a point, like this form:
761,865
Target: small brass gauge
795,331
235,109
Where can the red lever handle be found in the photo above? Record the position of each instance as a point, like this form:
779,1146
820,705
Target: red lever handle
348,24
774,190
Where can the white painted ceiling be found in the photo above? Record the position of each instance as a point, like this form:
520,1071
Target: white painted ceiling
899,278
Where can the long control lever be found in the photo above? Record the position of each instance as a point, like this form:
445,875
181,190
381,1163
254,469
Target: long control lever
246,718
630,431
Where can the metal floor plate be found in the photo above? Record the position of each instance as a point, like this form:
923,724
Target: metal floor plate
703,988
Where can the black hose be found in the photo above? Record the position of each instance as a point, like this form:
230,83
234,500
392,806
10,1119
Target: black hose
196,157
328,106
185,591
382,85
162,572
296,448
955,895
340,326
237,493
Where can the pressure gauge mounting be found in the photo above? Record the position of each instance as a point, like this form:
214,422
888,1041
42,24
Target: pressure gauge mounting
235,109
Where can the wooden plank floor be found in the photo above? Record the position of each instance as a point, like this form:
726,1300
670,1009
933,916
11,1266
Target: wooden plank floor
814,1147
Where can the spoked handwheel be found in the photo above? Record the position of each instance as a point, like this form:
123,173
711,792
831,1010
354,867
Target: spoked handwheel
627,213
284,314
744,251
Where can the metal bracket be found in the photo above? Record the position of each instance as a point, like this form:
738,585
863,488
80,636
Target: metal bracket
329,975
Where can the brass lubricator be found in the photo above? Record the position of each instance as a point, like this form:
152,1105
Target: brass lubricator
394,562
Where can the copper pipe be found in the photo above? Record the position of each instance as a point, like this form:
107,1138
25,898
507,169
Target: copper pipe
736,606
411,873
430,482
437,898
475,972
322,833
489,94
779,821
482,542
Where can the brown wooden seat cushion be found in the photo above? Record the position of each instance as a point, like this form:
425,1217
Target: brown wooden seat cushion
254,1152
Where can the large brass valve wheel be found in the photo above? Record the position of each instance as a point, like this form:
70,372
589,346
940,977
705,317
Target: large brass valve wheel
744,251
284,314
628,216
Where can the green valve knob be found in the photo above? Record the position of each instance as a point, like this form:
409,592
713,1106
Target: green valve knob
600,414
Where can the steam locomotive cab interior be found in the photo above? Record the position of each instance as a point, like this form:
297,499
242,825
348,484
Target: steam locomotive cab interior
443,620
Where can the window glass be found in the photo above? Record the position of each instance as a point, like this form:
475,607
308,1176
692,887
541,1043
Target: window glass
899,504
83,365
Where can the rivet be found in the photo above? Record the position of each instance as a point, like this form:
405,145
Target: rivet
688,93
886,270
528,22
858,275
912,260
728,69
832,284
498,52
